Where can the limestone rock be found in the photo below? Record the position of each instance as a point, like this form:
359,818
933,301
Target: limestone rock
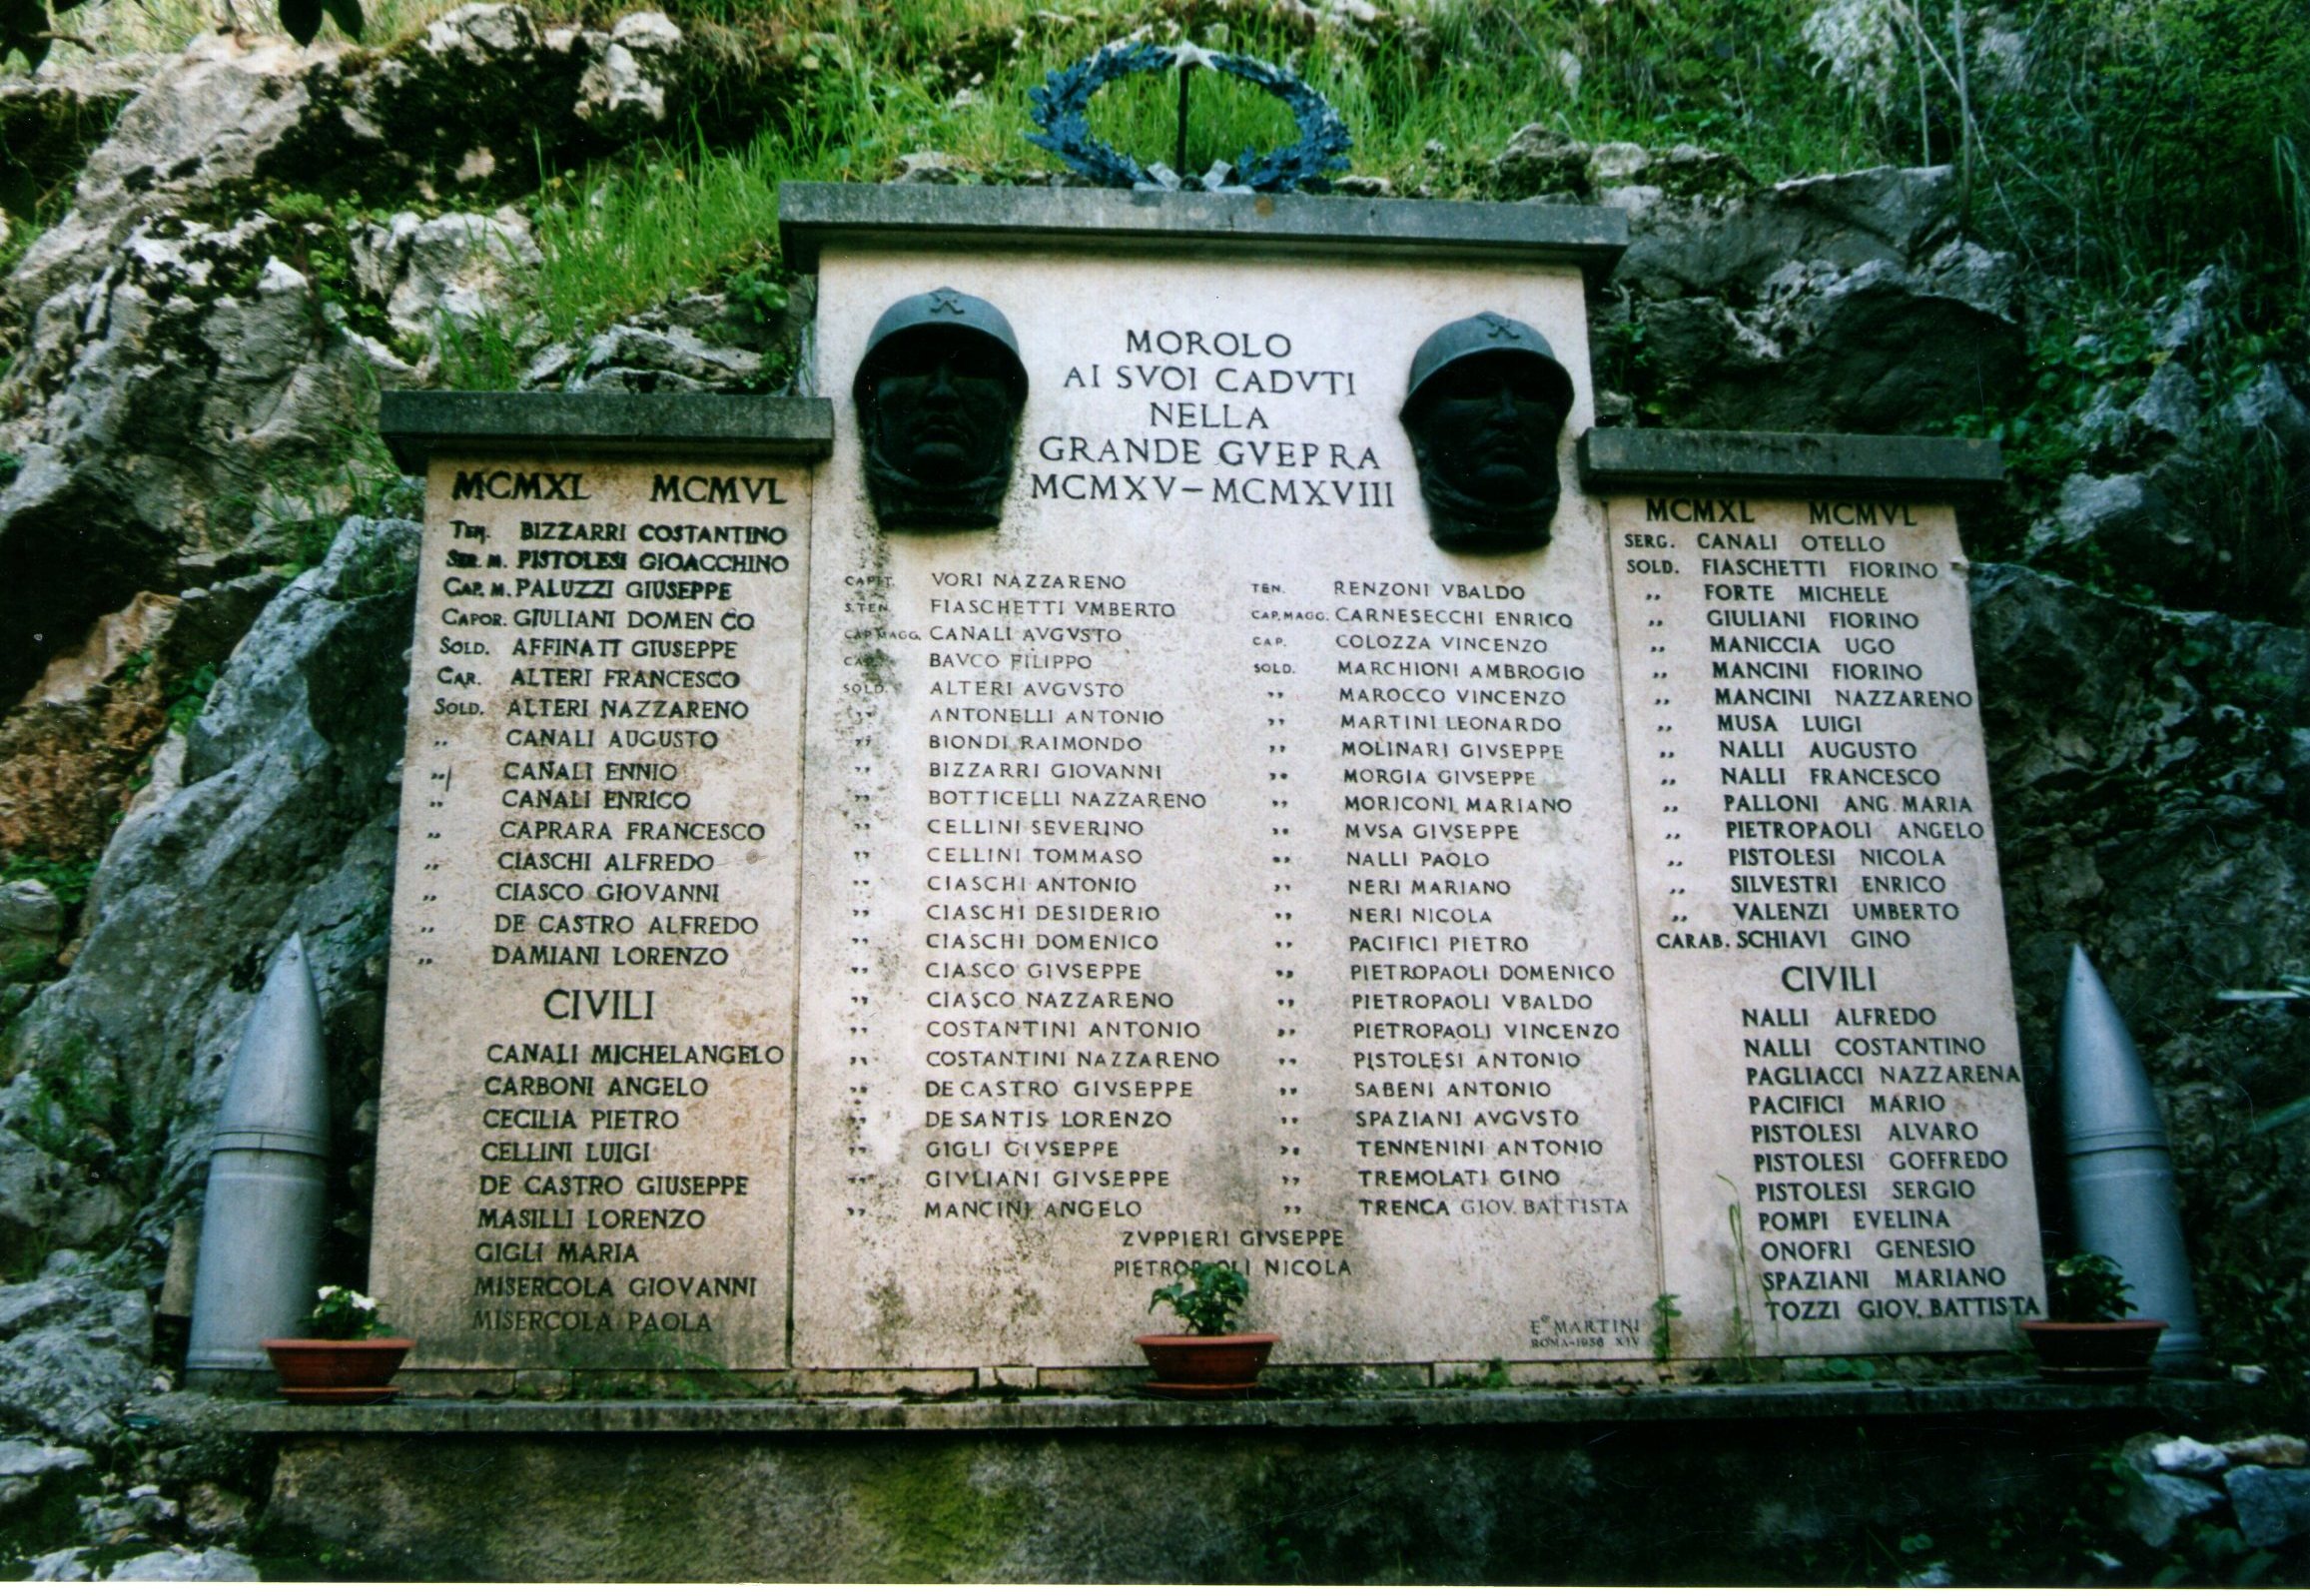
624,93
215,1513
2212,514
30,928
1729,247
72,1353
50,119
27,1463
2186,317
638,360
207,119
926,166
30,907
2183,1455
456,267
2101,511
73,752
45,1199
141,1513
179,1563
285,820
2156,1505
1874,349
171,386
173,1563
1539,160
1840,302
2269,1451
182,368
2273,1504
2168,407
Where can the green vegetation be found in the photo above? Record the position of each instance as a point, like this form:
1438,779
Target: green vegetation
2088,1289
1208,1296
340,1313
67,878
1665,1313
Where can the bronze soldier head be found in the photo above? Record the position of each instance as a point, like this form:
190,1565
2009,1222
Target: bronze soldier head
939,391
1487,400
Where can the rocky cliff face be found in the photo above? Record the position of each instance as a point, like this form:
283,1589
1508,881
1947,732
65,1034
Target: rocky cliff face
204,603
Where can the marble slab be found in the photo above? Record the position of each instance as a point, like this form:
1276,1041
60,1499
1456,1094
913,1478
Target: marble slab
586,1113
1206,866
1837,1079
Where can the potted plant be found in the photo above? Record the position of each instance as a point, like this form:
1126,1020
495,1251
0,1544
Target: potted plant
2090,1337
1215,1360
348,1358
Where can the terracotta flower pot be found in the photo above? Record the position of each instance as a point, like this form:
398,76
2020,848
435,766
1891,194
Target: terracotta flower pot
2093,1353
1207,1365
341,1373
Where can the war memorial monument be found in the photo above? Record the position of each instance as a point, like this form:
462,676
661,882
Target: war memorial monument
1196,747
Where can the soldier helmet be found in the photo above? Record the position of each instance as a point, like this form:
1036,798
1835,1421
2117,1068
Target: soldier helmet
1486,333
942,310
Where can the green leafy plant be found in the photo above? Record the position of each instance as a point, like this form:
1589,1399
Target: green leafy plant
1665,1313
342,1313
67,878
2088,1289
1208,1296
191,698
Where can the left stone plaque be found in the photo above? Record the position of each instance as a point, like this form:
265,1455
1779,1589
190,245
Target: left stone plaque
584,1152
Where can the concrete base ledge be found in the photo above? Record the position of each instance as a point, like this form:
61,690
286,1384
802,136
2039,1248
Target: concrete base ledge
837,1415
1751,1485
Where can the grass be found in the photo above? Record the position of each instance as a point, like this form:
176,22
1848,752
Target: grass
864,84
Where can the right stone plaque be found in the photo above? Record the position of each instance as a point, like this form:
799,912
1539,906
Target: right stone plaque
1844,1156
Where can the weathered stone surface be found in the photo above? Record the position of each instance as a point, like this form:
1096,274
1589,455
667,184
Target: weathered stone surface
26,1464
24,1458
139,1513
2149,776
2156,1505
31,924
460,267
2272,1504
213,1512
479,81
170,1564
73,752
2270,1451
2194,502
1877,346
284,820
2185,1455
182,368
48,121
634,360
72,1350
171,388
1896,216
1574,1502
622,93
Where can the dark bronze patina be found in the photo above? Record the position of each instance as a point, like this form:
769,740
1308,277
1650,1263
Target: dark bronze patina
939,391
1487,400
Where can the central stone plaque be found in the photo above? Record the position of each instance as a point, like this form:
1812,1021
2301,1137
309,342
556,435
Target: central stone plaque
1208,865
